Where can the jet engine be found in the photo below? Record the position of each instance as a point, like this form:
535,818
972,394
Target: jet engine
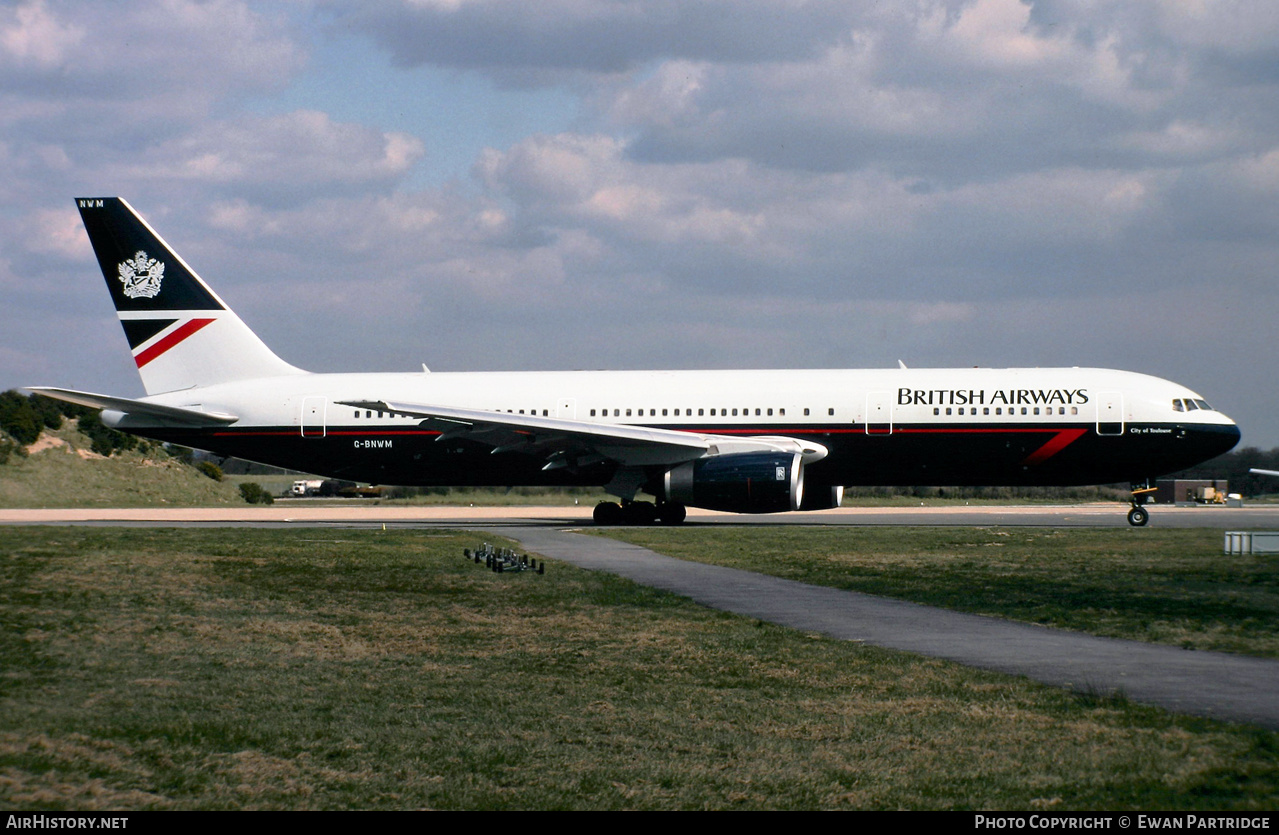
822,498
744,482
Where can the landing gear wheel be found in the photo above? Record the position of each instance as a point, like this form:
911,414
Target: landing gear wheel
1138,516
639,513
672,513
607,513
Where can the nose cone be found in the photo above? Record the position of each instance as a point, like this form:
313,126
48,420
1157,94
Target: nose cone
1233,434
1217,440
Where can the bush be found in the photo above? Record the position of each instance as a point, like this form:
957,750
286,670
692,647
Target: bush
19,418
210,469
9,448
254,494
106,441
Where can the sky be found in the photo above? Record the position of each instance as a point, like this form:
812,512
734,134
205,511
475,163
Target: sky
564,184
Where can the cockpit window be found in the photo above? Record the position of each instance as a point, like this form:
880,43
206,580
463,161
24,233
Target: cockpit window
1178,406
1203,404
1190,404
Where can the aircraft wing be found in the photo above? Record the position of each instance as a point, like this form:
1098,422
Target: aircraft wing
141,408
566,443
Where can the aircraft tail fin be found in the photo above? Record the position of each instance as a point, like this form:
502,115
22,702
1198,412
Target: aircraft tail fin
181,333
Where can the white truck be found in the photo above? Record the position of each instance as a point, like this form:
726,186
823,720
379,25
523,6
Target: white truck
306,487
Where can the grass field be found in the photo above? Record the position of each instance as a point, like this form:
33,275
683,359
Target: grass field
1172,586
322,669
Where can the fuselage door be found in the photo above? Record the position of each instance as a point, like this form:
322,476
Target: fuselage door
1110,413
566,408
879,413
313,417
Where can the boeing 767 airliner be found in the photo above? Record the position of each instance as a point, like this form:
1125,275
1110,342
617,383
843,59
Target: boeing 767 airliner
739,441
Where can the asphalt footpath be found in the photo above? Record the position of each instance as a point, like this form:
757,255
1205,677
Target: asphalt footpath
1216,685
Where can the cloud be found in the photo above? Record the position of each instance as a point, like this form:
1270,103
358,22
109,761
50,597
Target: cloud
279,158
33,38
544,40
76,70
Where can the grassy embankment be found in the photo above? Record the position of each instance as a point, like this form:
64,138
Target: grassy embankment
62,472
1171,586
359,669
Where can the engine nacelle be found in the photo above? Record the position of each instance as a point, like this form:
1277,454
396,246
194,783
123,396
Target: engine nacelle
822,498
746,482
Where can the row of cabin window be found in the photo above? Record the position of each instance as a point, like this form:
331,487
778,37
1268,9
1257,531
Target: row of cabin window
1012,410
369,413
651,412
759,412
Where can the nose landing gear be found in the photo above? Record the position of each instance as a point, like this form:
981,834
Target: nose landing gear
1138,516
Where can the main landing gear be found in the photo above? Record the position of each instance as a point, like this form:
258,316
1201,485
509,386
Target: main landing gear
1138,516
639,513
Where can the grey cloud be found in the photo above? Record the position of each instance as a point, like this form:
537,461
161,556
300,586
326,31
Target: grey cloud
593,36
119,74
278,159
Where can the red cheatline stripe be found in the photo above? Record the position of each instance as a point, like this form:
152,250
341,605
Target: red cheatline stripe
1063,439
187,328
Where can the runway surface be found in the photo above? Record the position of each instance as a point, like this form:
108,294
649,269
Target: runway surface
1217,685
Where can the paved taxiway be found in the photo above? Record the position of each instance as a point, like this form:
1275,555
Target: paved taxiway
1210,684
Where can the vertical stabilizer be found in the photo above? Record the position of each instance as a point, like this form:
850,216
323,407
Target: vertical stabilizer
181,333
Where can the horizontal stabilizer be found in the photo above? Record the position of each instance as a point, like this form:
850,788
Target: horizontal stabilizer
139,408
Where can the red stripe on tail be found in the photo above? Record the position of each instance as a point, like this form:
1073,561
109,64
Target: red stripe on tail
186,329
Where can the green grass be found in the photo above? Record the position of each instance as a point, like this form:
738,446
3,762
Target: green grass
1172,586
61,477
321,669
